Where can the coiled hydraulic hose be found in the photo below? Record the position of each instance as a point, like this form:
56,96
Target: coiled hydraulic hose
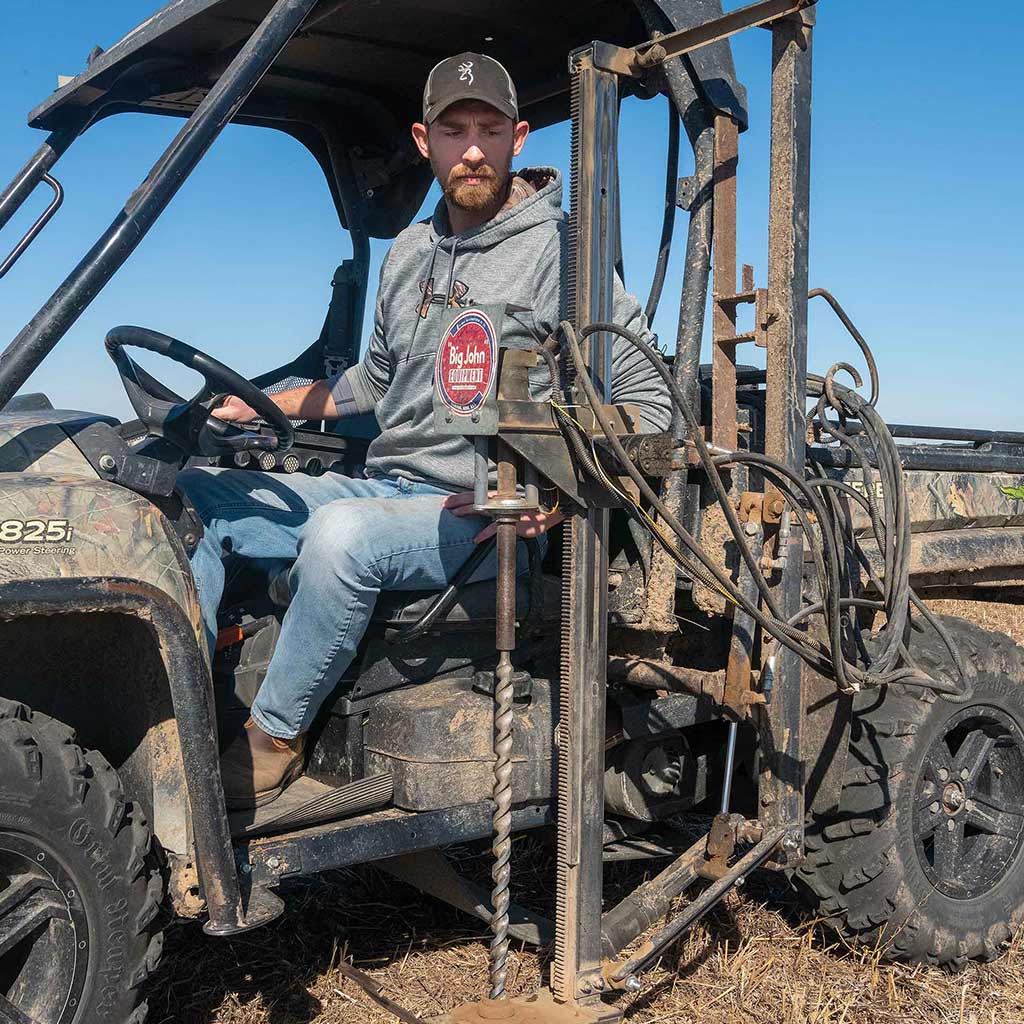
834,554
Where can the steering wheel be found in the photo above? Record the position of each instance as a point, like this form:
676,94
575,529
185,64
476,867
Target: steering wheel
188,425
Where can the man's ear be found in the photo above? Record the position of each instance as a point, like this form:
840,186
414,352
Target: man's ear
519,133
419,136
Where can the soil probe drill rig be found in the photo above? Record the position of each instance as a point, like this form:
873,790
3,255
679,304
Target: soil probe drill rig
735,628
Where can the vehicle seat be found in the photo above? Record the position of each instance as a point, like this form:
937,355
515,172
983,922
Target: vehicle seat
473,609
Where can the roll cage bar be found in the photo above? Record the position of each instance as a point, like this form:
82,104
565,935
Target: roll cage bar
309,69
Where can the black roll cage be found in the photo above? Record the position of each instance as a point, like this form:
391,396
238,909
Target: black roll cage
337,122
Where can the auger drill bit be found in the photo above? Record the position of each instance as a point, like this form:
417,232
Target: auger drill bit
502,793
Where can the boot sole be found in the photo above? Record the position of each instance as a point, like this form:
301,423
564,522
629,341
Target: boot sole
268,796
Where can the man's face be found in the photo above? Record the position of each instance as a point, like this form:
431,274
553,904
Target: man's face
470,147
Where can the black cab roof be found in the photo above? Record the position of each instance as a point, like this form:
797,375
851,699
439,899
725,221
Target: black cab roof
352,78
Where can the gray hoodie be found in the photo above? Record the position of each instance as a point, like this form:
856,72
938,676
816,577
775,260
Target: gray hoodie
513,258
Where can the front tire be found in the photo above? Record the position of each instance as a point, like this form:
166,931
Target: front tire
924,859
79,887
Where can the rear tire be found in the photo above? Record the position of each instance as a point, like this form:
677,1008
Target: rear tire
925,858
79,886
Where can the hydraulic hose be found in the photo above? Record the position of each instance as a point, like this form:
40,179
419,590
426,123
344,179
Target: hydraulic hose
835,553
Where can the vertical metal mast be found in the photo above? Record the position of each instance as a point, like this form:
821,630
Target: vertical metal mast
589,280
786,388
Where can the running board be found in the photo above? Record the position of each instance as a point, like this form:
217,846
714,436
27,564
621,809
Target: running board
320,804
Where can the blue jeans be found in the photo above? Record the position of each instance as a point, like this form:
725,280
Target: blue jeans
349,539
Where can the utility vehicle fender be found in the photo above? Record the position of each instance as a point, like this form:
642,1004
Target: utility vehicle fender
71,527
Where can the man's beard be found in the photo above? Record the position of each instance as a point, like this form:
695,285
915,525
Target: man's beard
488,194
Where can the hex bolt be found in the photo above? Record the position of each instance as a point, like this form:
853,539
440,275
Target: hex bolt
965,773
107,463
475,417
273,863
585,986
969,805
934,807
943,774
750,529
950,825
633,984
246,869
791,842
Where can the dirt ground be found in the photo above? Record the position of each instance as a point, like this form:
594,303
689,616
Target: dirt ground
757,960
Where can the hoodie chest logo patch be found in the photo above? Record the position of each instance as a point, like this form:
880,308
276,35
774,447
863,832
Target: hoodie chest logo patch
455,300
467,359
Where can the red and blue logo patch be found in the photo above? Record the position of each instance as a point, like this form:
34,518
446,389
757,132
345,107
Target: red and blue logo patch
466,361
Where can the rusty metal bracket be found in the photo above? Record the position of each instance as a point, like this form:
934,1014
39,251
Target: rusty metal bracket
634,61
531,429
757,507
540,1008
619,973
720,846
750,295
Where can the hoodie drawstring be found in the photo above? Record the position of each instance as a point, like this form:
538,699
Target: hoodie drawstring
451,270
428,281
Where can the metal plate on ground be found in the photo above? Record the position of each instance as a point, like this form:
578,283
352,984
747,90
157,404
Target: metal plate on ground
536,1009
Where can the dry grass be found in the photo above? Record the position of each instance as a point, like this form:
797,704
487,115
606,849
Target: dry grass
756,960
989,613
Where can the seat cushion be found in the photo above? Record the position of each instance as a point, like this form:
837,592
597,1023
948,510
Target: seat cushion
474,607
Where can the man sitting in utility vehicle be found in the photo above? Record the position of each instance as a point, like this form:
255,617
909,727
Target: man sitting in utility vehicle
496,237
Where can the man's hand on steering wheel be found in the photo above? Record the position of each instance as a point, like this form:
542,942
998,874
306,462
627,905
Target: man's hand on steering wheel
234,410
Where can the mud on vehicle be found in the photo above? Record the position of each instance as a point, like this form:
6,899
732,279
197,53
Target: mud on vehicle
733,626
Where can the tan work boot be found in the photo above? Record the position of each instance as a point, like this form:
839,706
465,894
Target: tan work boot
257,767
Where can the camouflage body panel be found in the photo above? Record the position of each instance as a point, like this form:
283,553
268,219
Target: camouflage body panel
92,528
40,442
113,531
967,530
947,501
110,531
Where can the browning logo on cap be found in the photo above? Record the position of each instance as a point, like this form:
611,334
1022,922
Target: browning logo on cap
469,76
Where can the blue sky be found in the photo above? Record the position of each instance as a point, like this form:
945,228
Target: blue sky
916,211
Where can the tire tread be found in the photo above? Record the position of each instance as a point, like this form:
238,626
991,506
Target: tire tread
851,876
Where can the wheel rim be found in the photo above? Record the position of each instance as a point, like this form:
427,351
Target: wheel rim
44,935
969,813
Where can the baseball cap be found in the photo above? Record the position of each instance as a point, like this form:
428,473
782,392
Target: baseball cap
469,76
